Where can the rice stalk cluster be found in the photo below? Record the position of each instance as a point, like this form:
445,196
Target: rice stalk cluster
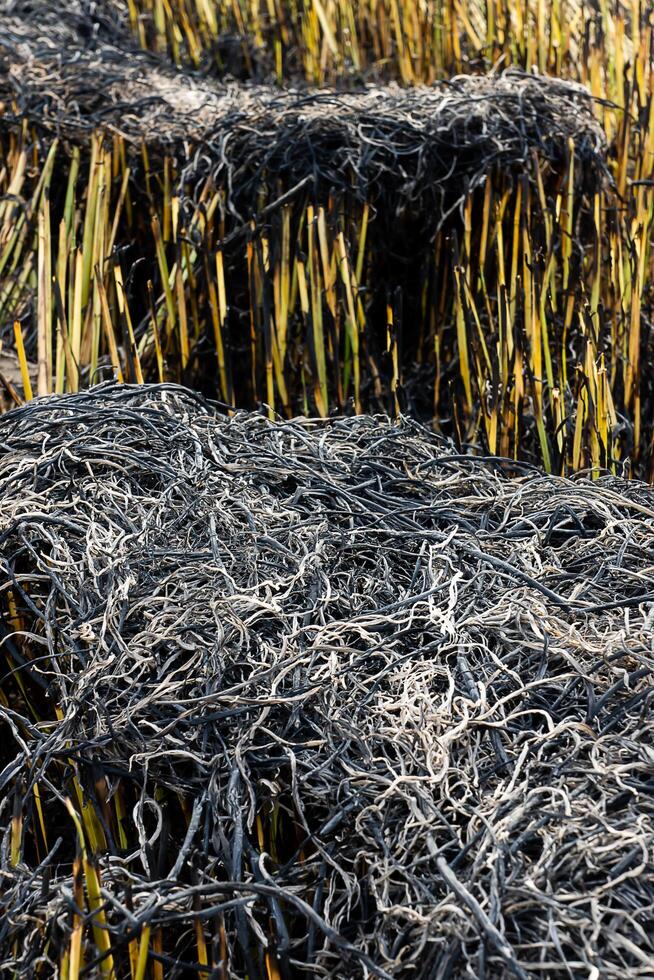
476,254
337,42
322,699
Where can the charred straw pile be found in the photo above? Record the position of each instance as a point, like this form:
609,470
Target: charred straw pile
321,699
475,253
422,148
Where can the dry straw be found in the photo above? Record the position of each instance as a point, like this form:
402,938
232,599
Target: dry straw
316,699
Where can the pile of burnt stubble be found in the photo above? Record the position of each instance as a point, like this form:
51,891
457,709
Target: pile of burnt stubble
320,699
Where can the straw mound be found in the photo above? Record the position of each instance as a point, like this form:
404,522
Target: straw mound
406,700
68,77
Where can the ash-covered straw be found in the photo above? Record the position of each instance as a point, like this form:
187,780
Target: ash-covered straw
74,71
288,699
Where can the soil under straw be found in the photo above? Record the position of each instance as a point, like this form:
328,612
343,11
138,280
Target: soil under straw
364,701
